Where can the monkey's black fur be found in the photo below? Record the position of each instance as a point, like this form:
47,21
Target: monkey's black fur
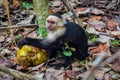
74,35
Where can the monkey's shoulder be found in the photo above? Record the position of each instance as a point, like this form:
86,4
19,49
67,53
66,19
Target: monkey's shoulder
72,26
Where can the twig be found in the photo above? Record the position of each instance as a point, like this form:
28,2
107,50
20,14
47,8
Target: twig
102,62
78,20
9,21
19,26
17,74
113,4
8,14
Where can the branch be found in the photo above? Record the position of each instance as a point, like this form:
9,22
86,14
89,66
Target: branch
114,3
19,26
101,61
78,20
17,74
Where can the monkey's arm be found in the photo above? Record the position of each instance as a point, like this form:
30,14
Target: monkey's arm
39,43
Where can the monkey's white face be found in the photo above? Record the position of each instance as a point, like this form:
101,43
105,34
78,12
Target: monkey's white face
53,22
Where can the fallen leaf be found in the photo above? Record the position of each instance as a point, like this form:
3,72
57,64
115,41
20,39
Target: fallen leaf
3,35
105,39
100,48
80,9
91,30
118,36
66,17
42,69
69,72
116,65
87,10
16,3
97,11
98,25
4,76
56,6
2,38
56,3
96,18
112,25
6,52
115,33
52,74
99,75
15,61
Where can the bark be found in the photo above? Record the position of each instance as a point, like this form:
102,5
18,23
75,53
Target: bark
17,74
42,10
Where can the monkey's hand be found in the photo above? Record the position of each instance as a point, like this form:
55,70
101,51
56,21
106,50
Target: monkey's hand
23,42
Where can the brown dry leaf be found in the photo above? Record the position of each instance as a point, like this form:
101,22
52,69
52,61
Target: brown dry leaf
56,3
91,30
84,18
118,36
99,74
67,17
95,2
6,52
52,74
100,48
42,69
2,38
97,11
51,11
112,25
84,74
104,18
96,18
116,65
4,76
69,72
16,3
115,33
80,9
56,6
98,25
15,61
75,64
3,35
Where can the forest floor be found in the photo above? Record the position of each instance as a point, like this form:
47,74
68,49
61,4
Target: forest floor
100,19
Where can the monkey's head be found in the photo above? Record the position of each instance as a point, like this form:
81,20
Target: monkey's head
54,21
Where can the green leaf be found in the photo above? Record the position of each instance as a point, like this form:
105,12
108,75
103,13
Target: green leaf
42,31
44,34
19,36
30,5
82,62
40,21
115,43
67,53
66,45
92,37
24,4
50,4
70,13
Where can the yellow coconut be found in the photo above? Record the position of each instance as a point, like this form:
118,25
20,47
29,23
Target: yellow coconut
29,56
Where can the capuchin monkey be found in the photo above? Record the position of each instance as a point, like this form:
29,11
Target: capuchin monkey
59,32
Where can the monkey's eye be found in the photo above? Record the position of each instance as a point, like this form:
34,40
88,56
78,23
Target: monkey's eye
48,21
52,22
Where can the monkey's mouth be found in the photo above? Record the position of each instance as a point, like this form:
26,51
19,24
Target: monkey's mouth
50,28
